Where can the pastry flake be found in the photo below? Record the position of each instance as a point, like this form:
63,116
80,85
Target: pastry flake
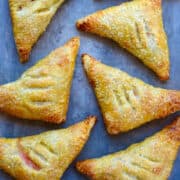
151,159
136,26
45,156
42,92
127,102
30,19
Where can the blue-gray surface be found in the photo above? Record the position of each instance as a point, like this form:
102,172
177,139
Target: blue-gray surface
82,101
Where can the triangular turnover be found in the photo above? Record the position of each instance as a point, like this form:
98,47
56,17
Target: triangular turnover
42,92
136,26
151,159
30,19
45,156
127,102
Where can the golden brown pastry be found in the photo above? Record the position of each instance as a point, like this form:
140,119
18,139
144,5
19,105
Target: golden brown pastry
151,159
136,26
45,156
42,92
127,102
30,19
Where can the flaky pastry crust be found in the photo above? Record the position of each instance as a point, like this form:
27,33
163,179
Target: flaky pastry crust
136,26
45,156
151,159
30,19
127,102
42,92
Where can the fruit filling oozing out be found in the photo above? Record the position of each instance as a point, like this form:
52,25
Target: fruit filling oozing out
26,159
